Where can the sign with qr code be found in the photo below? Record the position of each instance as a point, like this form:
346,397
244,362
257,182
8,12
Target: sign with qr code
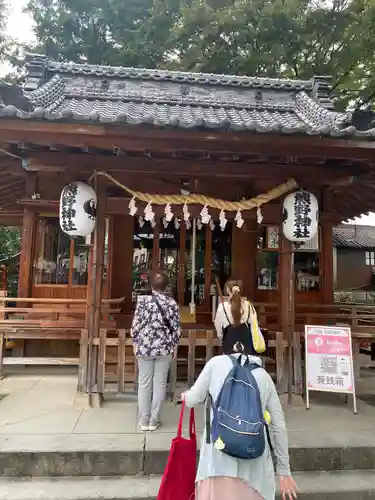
329,360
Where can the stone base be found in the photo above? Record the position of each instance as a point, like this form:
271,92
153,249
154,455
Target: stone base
84,401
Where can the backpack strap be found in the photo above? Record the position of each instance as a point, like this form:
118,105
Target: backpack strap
226,314
249,313
251,367
209,404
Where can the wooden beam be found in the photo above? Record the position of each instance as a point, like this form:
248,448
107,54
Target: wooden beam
59,162
147,138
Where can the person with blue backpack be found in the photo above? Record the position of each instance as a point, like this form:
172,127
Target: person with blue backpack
245,426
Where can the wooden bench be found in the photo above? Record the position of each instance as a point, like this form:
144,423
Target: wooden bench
64,322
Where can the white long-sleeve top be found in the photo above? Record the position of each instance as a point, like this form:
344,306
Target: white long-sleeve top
221,320
258,473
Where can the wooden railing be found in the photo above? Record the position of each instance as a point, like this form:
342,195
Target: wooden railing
360,318
117,371
113,367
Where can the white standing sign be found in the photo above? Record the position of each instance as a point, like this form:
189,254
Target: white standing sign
329,361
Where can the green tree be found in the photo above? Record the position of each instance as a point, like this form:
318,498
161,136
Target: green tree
4,39
277,38
10,240
115,32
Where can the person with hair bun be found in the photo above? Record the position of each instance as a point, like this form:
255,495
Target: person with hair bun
156,333
236,323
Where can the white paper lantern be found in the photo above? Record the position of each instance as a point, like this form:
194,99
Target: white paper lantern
300,216
78,209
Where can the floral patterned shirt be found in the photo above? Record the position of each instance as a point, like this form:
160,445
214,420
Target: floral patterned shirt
150,332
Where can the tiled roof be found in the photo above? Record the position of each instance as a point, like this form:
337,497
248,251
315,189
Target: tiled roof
353,236
116,95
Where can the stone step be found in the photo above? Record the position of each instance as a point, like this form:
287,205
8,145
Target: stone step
133,454
312,486
133,462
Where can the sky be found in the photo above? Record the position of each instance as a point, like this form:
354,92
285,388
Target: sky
20,27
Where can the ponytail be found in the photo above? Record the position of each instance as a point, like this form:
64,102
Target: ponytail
233,289
235,306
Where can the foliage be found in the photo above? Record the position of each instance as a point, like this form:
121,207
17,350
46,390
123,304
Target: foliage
277,38
10,240
115,32
4,39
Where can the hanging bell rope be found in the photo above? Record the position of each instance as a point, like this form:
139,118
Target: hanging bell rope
200,199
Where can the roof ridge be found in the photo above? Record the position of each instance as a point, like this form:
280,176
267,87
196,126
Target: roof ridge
179,76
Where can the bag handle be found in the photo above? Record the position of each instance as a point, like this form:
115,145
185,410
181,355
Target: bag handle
162,312
192,430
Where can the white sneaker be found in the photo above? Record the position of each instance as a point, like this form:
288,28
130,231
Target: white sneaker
154,426
144,427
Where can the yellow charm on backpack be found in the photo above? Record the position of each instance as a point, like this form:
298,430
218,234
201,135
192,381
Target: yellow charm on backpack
258,339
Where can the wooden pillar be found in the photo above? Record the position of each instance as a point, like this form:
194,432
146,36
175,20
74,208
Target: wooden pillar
326,247
99,244
181,265
207,268
250,280
326,261
27,250
156,247
94,292
286,309
27,241
27,253
244,253
122,260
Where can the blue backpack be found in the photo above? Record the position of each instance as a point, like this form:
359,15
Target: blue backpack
238,427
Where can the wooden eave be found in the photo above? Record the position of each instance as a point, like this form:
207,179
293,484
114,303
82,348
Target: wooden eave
266,159
143,139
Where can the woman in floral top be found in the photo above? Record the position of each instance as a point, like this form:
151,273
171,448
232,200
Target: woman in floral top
156,333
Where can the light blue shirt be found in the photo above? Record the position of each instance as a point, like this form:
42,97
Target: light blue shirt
258,473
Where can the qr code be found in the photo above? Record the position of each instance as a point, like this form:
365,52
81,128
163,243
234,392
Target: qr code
329,364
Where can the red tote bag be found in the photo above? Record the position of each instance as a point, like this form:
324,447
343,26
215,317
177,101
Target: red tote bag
178,482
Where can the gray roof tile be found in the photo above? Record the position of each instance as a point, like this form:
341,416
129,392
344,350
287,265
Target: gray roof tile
117,95
354,236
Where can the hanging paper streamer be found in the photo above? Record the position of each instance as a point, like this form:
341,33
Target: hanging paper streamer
141,221
153,223
165,223
212,225
132,207
239,220
168,213
199,224
149,213
176,223
223,220
205,216
259,215
188,224
186,213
